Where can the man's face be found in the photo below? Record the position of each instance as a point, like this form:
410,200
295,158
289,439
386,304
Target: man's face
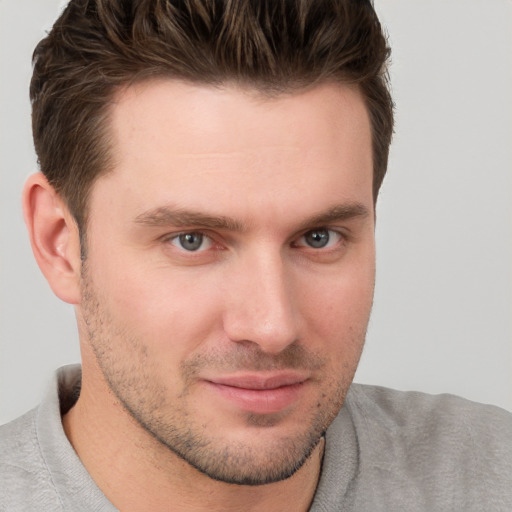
230,270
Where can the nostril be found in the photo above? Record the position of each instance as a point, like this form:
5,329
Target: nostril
260,306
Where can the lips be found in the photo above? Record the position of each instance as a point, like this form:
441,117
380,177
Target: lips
260,394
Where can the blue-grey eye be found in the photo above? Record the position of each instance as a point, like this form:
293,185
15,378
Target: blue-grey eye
191,241
317,238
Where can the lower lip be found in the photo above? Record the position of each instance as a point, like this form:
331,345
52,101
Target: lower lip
261,401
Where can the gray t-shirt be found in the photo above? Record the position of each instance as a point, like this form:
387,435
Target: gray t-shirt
387,450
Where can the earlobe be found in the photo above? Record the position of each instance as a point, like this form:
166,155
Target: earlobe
54,237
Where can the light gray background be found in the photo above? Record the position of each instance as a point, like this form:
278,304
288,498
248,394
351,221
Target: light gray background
441,320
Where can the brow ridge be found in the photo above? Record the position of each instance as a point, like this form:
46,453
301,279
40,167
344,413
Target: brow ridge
166,216
178,217
336,213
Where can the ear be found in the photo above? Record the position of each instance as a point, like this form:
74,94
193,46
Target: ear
54,237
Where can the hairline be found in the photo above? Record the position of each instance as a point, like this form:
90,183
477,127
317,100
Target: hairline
254,89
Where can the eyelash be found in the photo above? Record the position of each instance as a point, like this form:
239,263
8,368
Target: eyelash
178,236
340,237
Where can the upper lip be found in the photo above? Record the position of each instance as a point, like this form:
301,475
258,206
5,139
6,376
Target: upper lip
260,381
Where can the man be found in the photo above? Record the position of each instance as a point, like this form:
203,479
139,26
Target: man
209,177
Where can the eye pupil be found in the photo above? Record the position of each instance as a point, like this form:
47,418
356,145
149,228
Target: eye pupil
191,241
318,238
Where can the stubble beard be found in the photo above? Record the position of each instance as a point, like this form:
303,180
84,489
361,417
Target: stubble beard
173,425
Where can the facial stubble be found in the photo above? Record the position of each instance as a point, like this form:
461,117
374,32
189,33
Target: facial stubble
133,381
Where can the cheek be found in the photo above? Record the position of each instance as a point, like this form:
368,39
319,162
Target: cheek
169,311
337,309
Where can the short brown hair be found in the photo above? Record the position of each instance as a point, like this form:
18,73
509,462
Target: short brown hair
275,46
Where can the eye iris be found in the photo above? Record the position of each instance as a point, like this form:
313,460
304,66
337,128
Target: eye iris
318,238
191,241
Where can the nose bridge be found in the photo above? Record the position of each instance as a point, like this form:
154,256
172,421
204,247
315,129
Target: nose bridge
261,305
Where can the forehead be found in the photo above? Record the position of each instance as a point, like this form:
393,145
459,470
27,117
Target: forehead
190,117
175,142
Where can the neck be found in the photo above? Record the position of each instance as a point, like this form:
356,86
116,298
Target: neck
137,473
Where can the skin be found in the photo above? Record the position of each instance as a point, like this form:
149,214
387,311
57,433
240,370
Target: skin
258,184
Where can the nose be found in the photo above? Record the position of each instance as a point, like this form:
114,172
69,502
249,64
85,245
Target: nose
259,305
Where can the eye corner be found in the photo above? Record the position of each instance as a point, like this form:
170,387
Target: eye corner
189,241
320,238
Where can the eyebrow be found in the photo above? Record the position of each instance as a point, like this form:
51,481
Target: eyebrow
177,217
166,216
336,213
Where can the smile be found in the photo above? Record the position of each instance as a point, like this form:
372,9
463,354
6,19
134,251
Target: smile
259,394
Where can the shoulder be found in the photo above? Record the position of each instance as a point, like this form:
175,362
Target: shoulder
25,482
18,443
410,409
435,446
